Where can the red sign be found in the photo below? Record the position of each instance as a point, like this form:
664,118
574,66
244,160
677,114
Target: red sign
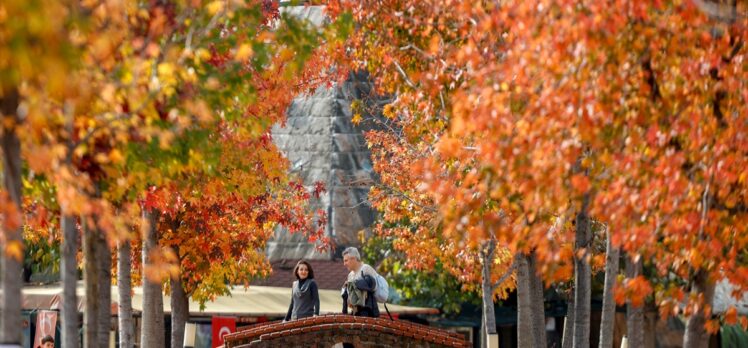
221,327
46,321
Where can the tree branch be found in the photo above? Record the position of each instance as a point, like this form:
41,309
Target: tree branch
506,275
405,76
401,194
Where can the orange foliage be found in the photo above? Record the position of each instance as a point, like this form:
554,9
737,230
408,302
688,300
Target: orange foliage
509,112
170,103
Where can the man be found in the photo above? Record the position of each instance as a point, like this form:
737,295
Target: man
358,291
48,342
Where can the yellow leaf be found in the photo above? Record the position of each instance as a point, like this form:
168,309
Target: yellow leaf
126,76
214,7
286,54
115,156
14,249
201,54
166,72
101,158
188,75
143,13
356,119
244,52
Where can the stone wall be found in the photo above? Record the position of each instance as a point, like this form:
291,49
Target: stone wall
323,145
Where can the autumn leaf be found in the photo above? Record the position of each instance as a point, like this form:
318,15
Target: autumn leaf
731,315
356,119
244,52
580,183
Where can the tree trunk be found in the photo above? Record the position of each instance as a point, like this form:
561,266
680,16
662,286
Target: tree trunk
69,269
489,317
567,341
650,324
159,329
696,335
10,317
582,278
537,315
524,303
180,312
152,330
124,287
92,285
634,314
104,324
609,304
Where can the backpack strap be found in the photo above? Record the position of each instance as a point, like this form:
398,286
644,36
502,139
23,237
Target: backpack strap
388,311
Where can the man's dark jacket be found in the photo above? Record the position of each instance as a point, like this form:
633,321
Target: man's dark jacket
365,283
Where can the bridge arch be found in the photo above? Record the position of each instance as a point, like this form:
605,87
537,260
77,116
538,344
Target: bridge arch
327,330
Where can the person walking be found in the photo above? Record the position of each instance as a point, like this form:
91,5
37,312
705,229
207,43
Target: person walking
358,291
304,293
48,342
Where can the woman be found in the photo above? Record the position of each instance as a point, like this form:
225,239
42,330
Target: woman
304,293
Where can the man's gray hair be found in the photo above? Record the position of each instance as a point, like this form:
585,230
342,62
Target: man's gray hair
352,251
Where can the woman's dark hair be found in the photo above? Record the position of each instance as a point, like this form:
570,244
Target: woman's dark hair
48,338
308,267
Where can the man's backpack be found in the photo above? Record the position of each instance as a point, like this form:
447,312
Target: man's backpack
382,292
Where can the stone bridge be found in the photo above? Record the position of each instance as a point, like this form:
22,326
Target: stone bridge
329,330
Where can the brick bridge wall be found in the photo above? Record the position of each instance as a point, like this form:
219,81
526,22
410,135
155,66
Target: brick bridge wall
327,330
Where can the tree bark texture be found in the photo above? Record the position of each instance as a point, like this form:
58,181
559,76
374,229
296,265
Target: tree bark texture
696,335
537,316
93,287
524,303
104,315
634,314
489,317
582,278
180,312
612,256
152,330
69,269
566,340
10,311
124,287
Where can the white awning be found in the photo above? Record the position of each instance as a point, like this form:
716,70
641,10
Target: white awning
255,301
723,298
